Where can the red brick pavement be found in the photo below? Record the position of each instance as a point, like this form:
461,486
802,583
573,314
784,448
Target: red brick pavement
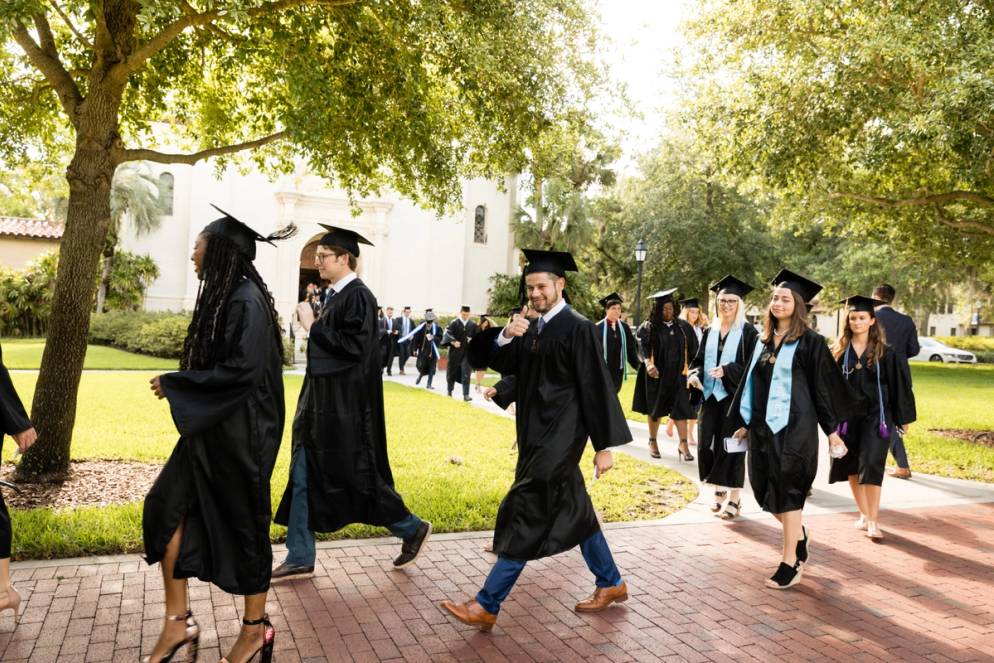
925,594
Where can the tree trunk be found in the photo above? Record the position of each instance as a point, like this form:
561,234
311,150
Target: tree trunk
104,280
87,221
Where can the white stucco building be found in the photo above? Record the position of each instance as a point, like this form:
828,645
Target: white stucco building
419,259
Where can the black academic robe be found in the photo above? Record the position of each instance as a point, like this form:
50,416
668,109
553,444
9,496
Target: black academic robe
430,333
782,466
612,351
507,391
388,340
719,419
458,368
339,424
230,419
670,348
564,396
867,455
13,420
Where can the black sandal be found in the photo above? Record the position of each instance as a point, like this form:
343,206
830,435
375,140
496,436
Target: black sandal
268,640
684,455
785,577
729,514
802,546
653,448
719,496
192,638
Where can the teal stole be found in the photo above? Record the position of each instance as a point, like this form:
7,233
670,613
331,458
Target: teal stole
713,385
778,402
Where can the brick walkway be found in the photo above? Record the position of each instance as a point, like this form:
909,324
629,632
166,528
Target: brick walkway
925,594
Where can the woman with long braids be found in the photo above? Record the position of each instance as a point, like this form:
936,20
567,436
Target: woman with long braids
884,382
792,386
207,515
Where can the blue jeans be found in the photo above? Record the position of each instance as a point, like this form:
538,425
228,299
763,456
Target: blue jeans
897,448
299,537
505,573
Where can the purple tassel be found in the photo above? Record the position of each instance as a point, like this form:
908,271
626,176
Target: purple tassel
843,428
884,431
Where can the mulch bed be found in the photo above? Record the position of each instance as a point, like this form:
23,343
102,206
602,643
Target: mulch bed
90,483
984,437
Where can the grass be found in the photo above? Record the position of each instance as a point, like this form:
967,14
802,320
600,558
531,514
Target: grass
25,353
118,418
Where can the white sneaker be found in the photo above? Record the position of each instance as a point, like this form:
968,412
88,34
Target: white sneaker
861,523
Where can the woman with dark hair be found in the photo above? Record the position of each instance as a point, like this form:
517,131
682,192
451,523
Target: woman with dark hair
726,347
207,515
667,344
884,382
792,387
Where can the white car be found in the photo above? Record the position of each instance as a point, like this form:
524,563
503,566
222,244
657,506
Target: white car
932,350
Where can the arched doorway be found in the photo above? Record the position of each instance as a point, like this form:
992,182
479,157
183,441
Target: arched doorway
308,272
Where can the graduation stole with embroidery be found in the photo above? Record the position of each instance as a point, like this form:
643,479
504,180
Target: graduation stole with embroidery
713,385
778,402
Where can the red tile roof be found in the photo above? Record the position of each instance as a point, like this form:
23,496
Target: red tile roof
13,226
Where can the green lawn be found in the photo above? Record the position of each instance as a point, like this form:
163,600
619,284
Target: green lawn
119,418
26,353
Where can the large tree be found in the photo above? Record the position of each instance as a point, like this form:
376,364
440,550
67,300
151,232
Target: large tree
367,93
878,114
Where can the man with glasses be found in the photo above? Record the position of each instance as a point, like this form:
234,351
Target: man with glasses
340,473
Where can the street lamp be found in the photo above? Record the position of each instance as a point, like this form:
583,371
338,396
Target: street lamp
640,259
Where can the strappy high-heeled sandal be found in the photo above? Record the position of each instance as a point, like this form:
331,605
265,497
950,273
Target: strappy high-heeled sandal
719,501
268,641
192,638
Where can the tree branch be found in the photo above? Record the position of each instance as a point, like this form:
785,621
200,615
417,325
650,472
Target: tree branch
45,37
51,67
919,200
962,224
68,21
122,155
141,55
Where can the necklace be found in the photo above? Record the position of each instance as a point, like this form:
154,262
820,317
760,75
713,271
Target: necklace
779,333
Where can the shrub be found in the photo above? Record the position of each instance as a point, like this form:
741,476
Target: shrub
982,346
153,333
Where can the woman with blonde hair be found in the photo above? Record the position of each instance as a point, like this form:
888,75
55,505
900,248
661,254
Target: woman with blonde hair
884,382
792,386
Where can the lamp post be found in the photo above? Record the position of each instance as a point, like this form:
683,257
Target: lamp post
640,259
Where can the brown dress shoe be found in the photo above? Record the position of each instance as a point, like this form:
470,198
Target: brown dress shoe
900,473
471,613
602,598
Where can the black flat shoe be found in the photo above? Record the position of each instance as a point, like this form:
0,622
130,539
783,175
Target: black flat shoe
412,547
287,570
785,577
802,547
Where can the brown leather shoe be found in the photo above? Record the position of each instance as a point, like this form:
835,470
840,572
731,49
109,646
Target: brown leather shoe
900,473
471,613
602,598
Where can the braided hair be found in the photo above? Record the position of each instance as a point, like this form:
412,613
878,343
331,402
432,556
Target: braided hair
223,269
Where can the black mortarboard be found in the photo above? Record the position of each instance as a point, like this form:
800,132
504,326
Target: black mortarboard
611,300
690,302
732,286
663,295
343,238
861,303
464,309
802,285
556,262
242,236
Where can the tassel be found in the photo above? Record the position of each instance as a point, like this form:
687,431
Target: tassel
843,428
285,232
884,431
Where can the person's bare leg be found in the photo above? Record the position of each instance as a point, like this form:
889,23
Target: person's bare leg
691,427
871,500
173,631
653,428
669,427
251,638
792,533
681,429
858,495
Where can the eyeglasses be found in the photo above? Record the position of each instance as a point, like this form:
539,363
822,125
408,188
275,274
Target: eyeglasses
319,257
727,302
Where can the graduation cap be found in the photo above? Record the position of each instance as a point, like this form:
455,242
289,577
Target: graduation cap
242,236
611,300
343,238
861,303
430,315
802,285
556,262
464,309
690,302
663,295
730,285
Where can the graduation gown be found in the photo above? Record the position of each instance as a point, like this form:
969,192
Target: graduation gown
867,455
458,367
670,347
230,419
388,340
564,396
339,423
719,419
13,420
426,341
612,349
782,466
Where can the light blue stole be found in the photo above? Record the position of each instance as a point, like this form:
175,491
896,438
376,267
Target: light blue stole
624,346
434,328
712,385
778,402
